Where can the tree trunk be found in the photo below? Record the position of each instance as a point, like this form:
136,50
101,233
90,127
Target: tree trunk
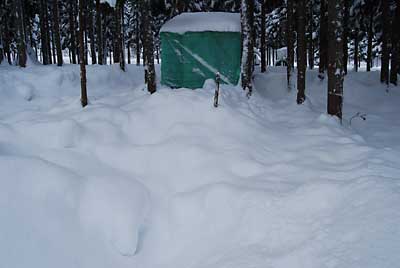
150,72
289,42
394,66
91,32
129,51
356,48
346,34
99,32
56,29
263,38
311,36
335,61
385,42
302,51
247,17
137,38
370,34
84,98
21,34
44,32
120,10
323,39
72,29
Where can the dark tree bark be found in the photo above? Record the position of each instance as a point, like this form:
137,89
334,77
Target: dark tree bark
289,42
356,48
99,33
263,38
44,34
116,35
394,65
310,36
247,16
370,34
72,29
335,54
346,34
302,51
91,31
137,39
53,44
128,47
84,98
21,34
150,72
323,40
121,45
56,30
385,42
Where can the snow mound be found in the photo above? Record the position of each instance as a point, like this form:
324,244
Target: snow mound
203,22
115,209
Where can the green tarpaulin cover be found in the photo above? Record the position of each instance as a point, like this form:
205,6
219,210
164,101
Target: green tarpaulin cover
189,58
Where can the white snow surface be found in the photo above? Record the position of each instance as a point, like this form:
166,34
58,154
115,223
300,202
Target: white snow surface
167,180
203,22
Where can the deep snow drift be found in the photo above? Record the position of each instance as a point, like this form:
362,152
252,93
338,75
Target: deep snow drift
166,180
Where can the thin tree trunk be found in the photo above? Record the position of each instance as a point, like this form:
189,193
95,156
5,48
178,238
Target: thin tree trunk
129,51
311,36
323,40
356,48
385,42
394,66
91,31
263,38
84,98
289,43
335,61
99,32
370,34
149,43
346,34
137,36
248,45
43,32
56,29
21,35
302,51
72,30
120,10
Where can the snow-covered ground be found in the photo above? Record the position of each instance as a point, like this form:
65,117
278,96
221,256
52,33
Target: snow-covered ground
166,180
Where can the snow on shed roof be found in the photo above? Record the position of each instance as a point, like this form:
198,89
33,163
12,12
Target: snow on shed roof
203,22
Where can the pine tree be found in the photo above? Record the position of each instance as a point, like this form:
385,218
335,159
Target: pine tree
302,51
335,58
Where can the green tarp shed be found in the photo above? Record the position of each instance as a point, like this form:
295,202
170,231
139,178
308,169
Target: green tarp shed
195,46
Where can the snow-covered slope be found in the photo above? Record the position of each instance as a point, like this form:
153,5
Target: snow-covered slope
166,180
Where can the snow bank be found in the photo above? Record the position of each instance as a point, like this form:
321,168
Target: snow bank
167,180
203,22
